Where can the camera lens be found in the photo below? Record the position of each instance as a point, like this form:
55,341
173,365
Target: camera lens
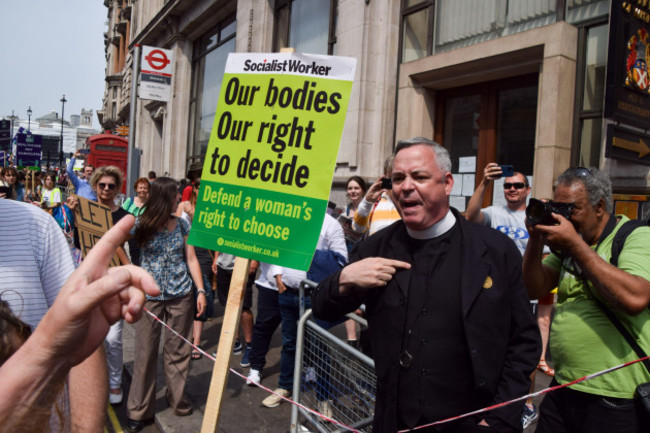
536,211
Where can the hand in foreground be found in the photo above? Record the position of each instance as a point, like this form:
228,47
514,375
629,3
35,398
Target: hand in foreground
369,272
92,299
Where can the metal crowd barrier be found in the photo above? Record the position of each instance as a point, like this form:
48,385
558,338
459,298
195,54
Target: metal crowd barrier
331,377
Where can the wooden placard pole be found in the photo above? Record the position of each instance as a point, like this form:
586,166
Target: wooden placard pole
226,341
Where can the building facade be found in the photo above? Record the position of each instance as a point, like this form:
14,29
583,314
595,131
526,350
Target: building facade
519,82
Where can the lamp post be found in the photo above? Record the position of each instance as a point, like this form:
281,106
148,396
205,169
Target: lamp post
63,101
29,118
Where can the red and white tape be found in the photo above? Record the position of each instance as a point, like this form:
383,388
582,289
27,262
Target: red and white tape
259,385
442,421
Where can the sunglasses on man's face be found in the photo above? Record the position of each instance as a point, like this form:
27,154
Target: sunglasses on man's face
110,186
517,185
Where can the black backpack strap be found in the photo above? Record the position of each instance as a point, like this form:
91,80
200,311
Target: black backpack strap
621,236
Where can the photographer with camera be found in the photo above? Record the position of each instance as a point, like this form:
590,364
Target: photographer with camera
377,209
509,219
585,339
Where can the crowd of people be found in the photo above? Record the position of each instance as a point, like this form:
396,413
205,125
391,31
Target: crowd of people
450,299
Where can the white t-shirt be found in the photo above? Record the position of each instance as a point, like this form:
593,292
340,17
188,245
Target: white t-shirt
331,238
35,259
512,223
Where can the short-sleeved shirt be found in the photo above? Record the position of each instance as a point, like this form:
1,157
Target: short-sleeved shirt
163,256
511,223
130,206
35,259
583,340
51,196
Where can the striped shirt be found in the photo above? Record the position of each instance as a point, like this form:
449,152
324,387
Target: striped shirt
35,260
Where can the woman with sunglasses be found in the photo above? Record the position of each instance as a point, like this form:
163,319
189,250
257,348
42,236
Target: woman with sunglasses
106,182
165,254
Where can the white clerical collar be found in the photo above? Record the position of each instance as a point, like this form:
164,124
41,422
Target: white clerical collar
439,228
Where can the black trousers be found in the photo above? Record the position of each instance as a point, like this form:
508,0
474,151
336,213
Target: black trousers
566,410
267,320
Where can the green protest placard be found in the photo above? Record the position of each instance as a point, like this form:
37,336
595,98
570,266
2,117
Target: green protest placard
270,160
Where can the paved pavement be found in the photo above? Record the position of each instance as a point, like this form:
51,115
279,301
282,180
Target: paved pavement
241,410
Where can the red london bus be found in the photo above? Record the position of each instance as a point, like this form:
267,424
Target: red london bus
109,149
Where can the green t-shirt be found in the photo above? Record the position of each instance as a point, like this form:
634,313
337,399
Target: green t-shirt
130,206
584,341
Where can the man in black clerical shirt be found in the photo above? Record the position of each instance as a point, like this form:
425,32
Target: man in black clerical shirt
446,307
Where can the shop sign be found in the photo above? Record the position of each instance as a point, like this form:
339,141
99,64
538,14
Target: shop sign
627,90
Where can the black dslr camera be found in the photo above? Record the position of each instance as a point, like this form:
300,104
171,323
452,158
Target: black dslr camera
539,212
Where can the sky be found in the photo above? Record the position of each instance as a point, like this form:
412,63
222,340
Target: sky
51,48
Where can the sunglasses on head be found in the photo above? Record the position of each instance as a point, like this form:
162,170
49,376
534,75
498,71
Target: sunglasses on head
110,186
580,171
517,185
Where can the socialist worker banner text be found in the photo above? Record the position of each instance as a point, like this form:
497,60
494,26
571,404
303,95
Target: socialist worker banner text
270,160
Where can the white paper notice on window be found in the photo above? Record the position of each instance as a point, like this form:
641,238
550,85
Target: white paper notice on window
468,184
458,202
458,184
498,197
467,164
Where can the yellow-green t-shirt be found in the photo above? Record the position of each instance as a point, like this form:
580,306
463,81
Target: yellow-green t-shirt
584,341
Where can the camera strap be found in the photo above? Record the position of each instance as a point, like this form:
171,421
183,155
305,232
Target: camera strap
624,332
609,228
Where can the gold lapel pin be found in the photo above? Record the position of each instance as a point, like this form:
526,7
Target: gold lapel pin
487,284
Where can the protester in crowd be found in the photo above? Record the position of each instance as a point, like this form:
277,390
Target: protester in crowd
165,253
152,176
135,205
81,186
8,181
51,195
69,335
511,220
106,182
223,265
193,174
35,263
186,211
288,282
356,189
583,339
267,320
469,343
20,186
376,210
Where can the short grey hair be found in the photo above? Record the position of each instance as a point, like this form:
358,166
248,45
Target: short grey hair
442,156
597,184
